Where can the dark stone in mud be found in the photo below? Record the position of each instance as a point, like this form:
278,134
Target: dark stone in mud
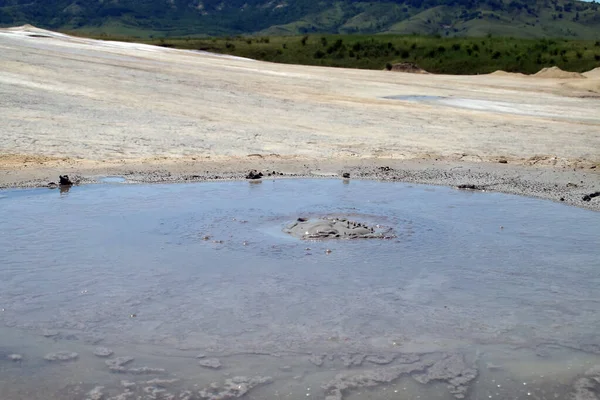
254,175
346,175
590,196
503,161
65,180
470,187
335,228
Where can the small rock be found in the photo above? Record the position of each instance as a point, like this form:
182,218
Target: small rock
590,196
65,180
49,333
470,187
61,356
503,161
15,357
254,175
285,368
201,355
103,352
210,363
346,175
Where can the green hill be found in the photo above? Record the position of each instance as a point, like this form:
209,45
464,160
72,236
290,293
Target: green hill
197,18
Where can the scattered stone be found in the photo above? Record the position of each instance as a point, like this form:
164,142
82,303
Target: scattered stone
318,360
127,384
61,356
65,180
15,357
352,360
590,196
95,393
347,381
285,368
233,388
254,175
503,161
336,228
118,364
201,355
452,369
103,352
346,175
210,363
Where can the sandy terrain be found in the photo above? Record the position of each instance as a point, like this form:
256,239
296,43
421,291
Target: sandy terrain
90,107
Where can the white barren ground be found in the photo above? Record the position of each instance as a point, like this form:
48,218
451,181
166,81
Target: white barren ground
90,100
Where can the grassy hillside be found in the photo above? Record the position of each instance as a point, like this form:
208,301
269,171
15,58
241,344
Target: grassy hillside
447,18
434,54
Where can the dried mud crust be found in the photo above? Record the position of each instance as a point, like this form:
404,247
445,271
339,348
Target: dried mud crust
336,228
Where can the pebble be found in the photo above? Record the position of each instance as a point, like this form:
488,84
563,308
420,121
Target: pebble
15,357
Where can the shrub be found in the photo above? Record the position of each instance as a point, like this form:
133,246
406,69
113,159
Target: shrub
388,66
319,54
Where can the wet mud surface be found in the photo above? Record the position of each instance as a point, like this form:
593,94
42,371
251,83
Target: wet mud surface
195,291
336,228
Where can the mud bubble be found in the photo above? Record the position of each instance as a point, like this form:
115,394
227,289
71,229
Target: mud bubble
336,228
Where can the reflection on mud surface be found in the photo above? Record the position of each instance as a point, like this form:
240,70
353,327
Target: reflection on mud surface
193,291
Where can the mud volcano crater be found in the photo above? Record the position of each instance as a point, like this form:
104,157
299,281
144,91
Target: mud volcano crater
336,228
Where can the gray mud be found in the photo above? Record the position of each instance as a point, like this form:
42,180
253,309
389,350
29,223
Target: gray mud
195,292
336,228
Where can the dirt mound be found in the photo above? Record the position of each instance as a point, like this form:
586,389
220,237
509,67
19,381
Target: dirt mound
594,73
557,73
408,67
504,73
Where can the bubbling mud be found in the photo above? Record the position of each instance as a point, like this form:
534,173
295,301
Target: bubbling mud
336,228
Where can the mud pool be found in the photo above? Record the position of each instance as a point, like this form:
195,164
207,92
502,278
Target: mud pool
194,291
